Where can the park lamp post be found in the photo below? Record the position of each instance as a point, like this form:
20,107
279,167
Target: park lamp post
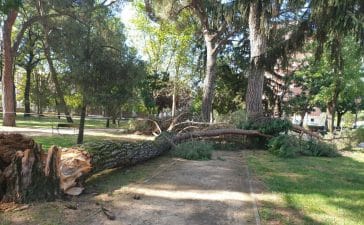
357,103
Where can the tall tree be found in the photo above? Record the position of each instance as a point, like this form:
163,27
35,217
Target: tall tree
61,103
29,58
218,23
258,36
10,50
321,83
10,9
337,18
168,45
98,63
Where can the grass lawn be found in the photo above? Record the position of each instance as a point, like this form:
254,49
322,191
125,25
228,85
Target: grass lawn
310,190
51,120
66,140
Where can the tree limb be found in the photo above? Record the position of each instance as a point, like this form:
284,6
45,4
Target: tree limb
218,132
299,129
25,26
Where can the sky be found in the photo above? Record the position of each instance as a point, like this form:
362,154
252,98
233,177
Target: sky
134,37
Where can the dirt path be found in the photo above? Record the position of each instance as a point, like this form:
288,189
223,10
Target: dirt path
214,192
100,132
169,192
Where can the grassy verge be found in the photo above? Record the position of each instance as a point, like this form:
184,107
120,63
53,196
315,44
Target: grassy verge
310,190
66,140
52,120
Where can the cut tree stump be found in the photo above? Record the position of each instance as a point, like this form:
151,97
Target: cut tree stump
26,173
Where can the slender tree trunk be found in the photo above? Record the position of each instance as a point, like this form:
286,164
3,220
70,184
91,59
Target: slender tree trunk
303,113
54,77
338,65
82,125
14,94
209,82
174,101
333,110
37,93
339,118
107,115
175,92
7,78
332,107
258,45
27,92
328,117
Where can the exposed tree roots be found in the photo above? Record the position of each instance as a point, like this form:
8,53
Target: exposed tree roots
26,173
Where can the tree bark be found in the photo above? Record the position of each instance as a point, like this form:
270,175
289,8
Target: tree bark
8,98
330,125
303,113
332,109
174,105
339,118
111,154
338,66
210,77
27,92
300,129
258,46
82,125
30,63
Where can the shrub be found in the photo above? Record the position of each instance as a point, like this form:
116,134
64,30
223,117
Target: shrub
285,146
318,148
288,146
194,150
270,126
359,135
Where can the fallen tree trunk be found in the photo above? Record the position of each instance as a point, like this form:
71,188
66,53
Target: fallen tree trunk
30,175
110,154
218,132
299,129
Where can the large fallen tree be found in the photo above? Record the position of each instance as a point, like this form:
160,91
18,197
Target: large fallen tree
27,173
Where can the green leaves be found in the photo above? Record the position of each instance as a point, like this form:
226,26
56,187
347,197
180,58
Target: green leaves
6,5
271,126
319,80
289,146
